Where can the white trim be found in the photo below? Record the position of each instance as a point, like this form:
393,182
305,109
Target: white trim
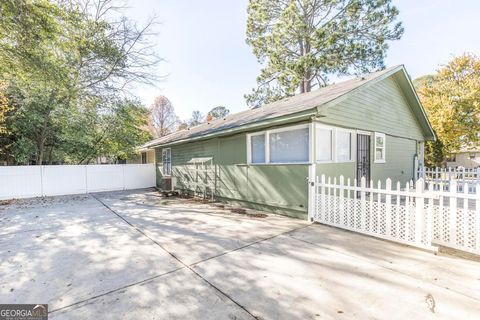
375,160
311,142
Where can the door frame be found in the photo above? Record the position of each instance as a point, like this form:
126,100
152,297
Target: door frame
369,134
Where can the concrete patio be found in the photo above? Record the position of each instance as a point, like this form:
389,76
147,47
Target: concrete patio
136,255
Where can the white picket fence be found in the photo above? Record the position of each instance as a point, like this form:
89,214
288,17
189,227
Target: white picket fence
441,178
36,181
414,216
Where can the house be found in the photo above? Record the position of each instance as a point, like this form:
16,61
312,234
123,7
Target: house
468,158
144,156
264,158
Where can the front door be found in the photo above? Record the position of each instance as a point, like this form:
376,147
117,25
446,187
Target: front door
363,158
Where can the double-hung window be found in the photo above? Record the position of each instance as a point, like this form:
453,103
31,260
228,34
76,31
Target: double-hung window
167,161
281,146
379,147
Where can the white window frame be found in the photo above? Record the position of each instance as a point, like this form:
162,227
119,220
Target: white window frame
333,145
163,163
375,160
267,144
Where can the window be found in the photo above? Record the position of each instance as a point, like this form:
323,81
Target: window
289,146
379,147
144,157
167,162
258,148
324,144
343,146
286,145
333,144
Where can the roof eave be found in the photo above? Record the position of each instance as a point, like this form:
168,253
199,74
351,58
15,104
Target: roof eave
295,117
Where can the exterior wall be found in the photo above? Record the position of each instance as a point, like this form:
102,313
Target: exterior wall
138,159
462,159
380,107
270,187
399,163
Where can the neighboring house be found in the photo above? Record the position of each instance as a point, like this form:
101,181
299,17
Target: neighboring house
144,156
466,158
263,158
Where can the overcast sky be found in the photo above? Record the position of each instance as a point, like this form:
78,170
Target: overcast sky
208,63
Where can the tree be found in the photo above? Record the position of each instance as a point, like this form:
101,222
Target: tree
5,107
218,112
196,119
66,57
303,42
162,117
115,133
451,99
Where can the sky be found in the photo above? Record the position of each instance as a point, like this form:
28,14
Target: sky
207,62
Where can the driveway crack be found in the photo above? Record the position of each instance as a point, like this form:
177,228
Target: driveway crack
189,267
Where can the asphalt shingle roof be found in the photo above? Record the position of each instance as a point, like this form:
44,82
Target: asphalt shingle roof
287,106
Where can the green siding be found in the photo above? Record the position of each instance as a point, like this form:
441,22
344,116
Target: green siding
379,107
399,164
277,188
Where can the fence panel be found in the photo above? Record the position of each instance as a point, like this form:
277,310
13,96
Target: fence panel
107,177
20,182
62,180
137,176
36,181
414,216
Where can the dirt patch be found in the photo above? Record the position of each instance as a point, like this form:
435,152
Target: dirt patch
238,210
248,214
257,215
6,202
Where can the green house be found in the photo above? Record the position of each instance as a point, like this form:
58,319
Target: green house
264,158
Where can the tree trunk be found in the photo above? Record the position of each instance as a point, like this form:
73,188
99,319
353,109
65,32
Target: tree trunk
42,137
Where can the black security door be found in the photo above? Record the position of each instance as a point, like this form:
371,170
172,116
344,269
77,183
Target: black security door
363,158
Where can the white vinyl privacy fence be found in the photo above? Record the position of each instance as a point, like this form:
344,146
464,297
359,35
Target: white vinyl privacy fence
37,181
414,216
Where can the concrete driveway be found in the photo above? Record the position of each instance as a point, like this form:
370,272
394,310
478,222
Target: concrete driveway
135,255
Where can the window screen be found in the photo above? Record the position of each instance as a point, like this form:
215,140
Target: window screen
324,144
258,148
289,146
344,146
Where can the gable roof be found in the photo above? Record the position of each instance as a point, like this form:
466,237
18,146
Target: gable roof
305,104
